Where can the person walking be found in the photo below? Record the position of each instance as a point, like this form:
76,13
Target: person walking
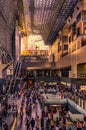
21,117
52,124
32,123
56,127
5,126
84,123
42,123
37,123
27,124
79,125
48,124
1,123
70,128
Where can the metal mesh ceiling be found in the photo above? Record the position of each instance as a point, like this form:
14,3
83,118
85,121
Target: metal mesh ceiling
48,16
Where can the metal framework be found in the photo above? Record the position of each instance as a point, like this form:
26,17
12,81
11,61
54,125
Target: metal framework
48,16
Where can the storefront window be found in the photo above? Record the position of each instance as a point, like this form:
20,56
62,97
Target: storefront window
39,73
47,73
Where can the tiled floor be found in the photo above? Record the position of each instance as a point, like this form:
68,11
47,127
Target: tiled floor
22,125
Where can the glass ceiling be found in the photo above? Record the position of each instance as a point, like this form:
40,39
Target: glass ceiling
48,16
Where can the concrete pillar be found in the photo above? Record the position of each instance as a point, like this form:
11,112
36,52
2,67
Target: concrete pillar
85,105
60,73
42,73
18,44
35,74
0,60
79,102
50,73
82,103
24,44
74,70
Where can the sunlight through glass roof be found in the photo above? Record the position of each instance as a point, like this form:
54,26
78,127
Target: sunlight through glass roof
48,16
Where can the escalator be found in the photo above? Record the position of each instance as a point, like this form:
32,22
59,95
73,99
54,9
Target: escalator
16,77
6,57
7,61
17,69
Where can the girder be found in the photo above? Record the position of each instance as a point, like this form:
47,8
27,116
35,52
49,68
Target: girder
49,16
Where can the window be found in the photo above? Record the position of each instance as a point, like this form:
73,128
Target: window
83,43
65,38
84,27
55,73
47,73
84,15
74,26
39,73
78,31
69,28
78,18
30,74
85,30
59,47
74,48
70,39
65,74
65,47
74,30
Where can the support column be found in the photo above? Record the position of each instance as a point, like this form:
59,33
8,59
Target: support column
50,73
0,60
35,74
42,73
24,45
25,42
74,70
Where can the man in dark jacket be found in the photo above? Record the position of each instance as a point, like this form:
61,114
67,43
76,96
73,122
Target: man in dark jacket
32,123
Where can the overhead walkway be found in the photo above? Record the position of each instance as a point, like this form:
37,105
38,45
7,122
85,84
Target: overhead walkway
75,113
57,101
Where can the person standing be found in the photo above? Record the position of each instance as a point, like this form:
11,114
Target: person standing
32,123
84,123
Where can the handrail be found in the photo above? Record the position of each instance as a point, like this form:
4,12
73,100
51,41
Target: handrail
65,101
77,107
75,117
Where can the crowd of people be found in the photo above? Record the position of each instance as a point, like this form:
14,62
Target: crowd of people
50,118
